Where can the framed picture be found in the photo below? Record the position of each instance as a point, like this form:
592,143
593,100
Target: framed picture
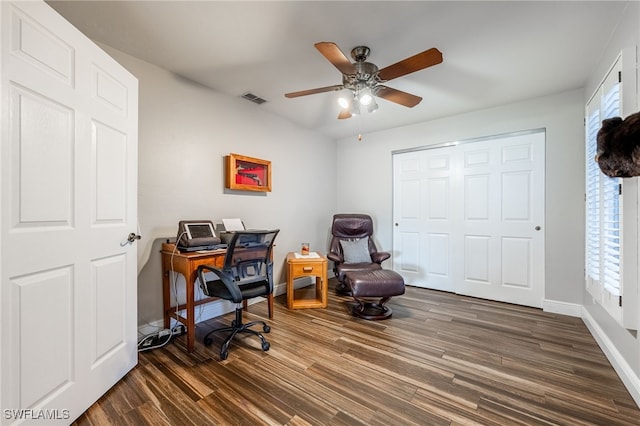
247,174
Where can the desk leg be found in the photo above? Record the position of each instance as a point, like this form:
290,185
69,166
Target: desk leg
166,293
190,312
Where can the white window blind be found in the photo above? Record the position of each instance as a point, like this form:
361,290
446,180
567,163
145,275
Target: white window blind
611,211
604,266
592,199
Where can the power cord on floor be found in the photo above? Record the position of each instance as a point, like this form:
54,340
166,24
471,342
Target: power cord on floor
160,339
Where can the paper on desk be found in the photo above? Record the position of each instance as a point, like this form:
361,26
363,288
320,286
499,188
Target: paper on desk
311,255
234,224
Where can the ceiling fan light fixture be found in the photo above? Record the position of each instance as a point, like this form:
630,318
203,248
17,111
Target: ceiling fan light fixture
373,106
345,99
355,108
365,96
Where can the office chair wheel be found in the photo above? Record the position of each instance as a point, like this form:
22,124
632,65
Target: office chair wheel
265,346
266,328
208,341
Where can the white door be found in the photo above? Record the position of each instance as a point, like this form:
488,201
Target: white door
475,218
501,237
69,175
423,211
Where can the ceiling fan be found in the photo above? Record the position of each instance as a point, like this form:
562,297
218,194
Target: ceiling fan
362,80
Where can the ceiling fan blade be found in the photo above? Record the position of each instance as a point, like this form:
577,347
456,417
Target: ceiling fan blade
314,91
397,96
412,64
344,114
334,55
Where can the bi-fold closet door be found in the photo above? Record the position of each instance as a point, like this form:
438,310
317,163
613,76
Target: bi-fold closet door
469,217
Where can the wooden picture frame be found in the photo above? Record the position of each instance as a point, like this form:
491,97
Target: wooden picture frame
247,173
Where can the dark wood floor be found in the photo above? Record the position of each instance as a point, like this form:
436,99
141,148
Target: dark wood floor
440,360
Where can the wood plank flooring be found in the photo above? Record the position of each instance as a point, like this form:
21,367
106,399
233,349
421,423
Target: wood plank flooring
441,359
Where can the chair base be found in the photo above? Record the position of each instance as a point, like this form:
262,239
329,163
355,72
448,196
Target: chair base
342,289
238,327
372,311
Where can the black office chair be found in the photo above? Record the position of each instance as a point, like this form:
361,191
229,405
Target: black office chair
247,273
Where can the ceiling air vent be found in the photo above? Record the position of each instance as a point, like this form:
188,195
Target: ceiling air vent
253,98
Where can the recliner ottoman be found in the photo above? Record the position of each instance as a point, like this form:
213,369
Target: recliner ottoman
382,284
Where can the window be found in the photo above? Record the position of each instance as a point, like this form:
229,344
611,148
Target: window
605,247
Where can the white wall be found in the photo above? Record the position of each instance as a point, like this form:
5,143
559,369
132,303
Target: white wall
185,130
366,186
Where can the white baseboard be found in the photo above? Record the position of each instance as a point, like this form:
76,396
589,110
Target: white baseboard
630,379
279,289
562,308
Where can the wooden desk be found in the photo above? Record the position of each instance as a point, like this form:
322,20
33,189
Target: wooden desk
306,267
187,264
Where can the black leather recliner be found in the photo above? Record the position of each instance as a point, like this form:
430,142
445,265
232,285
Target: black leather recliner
351,228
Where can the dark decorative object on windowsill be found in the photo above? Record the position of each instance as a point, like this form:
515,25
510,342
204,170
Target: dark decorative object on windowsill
619,146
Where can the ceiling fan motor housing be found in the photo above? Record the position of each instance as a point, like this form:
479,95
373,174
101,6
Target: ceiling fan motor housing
360,53
366,76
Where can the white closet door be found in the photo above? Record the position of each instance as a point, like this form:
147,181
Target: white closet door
422,245
501,234
68,299
469,218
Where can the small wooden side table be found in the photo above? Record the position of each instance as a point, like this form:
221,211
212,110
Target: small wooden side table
307,266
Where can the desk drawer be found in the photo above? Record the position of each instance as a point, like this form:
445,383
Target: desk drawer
307,269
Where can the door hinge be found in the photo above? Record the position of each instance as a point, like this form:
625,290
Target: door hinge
619,189
619,76
620,301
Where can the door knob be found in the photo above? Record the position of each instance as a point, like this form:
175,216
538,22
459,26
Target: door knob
133,236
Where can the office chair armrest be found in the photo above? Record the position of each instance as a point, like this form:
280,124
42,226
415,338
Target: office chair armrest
335,257
380,256
225,277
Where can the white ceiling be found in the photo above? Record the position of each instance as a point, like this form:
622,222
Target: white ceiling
494,52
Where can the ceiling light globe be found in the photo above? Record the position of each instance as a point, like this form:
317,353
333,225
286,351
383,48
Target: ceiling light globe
345,98
365,99
355,109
